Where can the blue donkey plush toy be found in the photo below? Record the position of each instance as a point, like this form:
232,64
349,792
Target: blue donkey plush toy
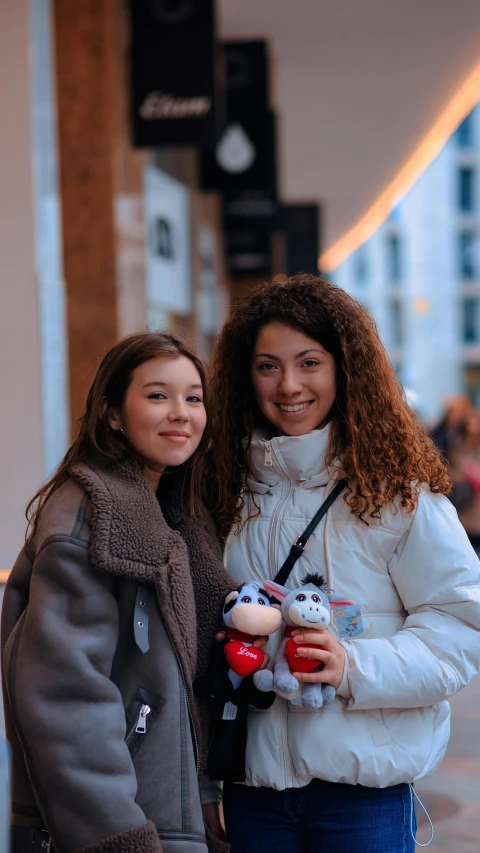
308,606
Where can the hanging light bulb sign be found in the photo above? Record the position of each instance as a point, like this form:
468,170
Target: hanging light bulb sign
235,153
241,158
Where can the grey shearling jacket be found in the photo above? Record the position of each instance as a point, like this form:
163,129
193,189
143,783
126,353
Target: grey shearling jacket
75,678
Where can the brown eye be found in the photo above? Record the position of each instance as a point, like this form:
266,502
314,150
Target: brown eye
315,598
246,599
300,597
261,601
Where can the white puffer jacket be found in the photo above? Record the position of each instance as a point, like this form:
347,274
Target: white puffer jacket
416,578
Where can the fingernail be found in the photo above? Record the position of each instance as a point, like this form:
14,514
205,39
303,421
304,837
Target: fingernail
298,638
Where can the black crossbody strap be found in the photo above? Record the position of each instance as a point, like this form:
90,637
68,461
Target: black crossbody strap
301,542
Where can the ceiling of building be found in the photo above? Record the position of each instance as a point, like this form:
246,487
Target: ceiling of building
357,85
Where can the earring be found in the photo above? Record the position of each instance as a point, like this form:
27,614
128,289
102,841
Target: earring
120,430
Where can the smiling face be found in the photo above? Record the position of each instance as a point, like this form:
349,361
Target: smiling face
294,379
163,415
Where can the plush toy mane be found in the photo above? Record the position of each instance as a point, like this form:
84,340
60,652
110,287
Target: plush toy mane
316,579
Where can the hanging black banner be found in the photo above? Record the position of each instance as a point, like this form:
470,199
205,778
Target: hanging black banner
248,252
301,224
249,218
256,208
176,75
240,160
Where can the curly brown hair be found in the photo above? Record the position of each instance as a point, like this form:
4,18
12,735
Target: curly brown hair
383,449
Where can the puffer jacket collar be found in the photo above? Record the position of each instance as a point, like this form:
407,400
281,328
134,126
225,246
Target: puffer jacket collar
300,458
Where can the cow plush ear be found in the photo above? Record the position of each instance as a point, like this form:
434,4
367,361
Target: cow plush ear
231,596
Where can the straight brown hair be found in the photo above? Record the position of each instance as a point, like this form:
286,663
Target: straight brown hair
95,439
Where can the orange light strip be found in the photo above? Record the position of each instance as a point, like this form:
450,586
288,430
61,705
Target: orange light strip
4,573
461,104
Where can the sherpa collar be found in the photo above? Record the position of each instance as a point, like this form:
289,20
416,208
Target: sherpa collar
130,537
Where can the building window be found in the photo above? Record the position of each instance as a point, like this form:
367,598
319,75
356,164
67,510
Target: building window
464,134
467,251
396,324
470,320
466,189
394,261
360,266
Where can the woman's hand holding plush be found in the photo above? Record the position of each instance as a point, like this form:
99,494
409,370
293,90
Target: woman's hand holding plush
324,647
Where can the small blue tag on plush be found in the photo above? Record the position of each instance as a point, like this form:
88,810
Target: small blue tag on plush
348,621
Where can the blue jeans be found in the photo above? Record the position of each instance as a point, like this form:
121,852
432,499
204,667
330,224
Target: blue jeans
322,817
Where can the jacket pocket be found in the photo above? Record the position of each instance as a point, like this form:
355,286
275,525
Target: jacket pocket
399,723
377,727
405,734
140,715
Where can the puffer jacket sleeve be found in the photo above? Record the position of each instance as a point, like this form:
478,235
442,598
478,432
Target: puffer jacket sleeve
437,652
68,714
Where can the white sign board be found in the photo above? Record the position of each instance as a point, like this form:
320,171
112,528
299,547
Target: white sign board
168,266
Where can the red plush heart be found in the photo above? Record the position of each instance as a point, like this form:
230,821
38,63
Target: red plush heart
296,662
243,659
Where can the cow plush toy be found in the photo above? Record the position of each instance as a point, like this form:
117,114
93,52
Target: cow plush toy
228,681
305,607
247,615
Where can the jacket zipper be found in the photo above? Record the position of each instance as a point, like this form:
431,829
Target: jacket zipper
268,453
288,762
12,699
184,681
270,456
273,568
139,726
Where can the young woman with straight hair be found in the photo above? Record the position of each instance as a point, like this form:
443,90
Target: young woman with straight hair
303,396
108,616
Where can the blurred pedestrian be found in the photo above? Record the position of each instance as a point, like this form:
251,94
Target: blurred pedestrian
449,431
109,614
465,470
305,402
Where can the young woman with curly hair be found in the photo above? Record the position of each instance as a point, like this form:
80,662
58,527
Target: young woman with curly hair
303,395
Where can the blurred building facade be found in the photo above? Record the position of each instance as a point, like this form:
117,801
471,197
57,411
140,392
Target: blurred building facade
419,276
97,238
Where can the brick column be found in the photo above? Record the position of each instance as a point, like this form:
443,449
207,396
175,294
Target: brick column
85,47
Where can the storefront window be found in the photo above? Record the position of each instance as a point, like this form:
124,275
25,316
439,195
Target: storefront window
394,260
467,252
466,189
464,134
470,320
